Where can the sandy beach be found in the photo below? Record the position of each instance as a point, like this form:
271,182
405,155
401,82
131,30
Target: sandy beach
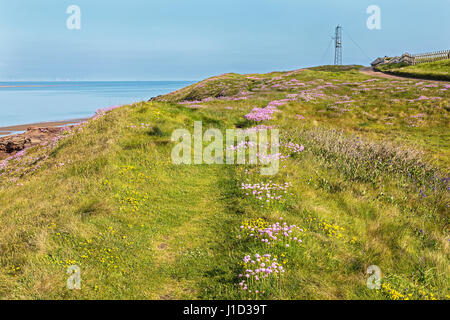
28,86
16,138
23,127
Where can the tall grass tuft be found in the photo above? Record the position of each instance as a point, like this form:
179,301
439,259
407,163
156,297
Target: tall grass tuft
369,161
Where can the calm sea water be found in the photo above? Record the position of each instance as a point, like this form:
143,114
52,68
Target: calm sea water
31,102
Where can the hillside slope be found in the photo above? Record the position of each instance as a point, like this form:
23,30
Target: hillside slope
369,188
438,70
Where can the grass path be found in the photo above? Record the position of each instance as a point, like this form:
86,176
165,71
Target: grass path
184,253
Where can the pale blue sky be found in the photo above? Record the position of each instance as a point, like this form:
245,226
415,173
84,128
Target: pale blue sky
191,40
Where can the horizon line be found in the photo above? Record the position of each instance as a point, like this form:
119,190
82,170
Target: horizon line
35,80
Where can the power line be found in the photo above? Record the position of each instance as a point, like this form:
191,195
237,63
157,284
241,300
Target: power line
357,45
326,52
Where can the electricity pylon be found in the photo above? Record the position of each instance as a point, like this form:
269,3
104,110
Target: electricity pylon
338,46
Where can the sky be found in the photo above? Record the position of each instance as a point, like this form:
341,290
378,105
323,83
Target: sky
192,40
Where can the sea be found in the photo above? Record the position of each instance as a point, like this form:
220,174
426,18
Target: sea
35,102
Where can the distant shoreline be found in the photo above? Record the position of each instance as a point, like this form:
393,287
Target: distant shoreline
10,130
30,86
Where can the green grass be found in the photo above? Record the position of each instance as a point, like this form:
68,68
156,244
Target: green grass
109,199
438,70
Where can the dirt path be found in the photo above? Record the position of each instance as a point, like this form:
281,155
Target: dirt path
371,72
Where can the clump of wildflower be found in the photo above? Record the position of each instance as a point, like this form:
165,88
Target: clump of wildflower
260,273
261,114
330,229
131,200
250,226
94,250
267,158
11,270
293,148
275,234
267,192
395,287
278,103
392,293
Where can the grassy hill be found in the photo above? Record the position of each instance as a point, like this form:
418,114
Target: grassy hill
369,188
438,70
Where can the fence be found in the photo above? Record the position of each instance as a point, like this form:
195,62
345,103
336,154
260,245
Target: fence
431,56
